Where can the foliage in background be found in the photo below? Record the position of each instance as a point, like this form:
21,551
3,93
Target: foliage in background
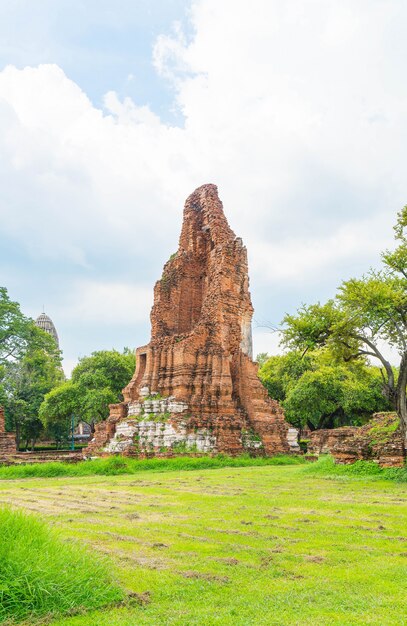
56,412
96,382
42,575
261,358
319,392
366,313
18,333
279,373
25,383
30,366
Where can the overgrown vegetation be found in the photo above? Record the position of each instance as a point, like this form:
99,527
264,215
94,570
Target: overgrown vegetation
153,396
118,465
112,466
327,467
382,433
42,575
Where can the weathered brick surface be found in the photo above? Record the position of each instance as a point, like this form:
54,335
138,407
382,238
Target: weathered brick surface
200,351
374,441
7,440
104,431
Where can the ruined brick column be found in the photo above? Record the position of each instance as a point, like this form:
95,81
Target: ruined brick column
197,371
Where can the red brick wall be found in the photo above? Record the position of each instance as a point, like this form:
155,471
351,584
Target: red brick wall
369,442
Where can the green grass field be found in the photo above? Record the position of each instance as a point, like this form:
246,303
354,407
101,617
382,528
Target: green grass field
41,574
236,546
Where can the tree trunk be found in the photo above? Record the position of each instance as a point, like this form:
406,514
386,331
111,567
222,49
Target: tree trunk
401,401
18,434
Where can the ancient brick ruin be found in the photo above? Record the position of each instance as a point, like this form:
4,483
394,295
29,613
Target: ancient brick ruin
379,440
195,386
7,440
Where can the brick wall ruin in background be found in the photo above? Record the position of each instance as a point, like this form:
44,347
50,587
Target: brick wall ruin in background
7,440
195,386
379,440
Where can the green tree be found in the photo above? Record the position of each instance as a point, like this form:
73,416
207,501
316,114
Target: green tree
18,333
333,396
23,347
105,368
366,314
57,409
25,383
282,371
96,382
262,358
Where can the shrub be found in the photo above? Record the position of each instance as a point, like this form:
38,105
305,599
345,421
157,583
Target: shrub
326,466
382,433
304,445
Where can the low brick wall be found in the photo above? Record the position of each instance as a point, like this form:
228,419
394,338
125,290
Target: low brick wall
24,458
7,440
379,440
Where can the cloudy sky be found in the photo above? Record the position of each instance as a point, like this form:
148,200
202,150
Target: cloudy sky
111,113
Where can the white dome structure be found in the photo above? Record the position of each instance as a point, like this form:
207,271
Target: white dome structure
45,323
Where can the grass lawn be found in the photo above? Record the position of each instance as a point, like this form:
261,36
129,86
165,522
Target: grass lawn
236,546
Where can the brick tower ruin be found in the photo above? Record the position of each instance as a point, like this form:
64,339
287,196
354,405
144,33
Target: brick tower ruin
195,386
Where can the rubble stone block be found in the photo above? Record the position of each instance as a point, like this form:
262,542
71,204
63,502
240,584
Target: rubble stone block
379,440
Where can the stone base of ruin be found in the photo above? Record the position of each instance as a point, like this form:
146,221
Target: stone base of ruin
7,440
126,434
375,441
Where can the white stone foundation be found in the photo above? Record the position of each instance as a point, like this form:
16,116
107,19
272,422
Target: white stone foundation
147,435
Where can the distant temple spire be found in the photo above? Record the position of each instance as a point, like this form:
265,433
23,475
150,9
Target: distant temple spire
45,323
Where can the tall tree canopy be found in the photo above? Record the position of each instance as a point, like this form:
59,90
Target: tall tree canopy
25,383
366,314
30,366
96,382
18,333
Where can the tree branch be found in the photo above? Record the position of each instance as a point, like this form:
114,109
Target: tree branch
400,333
378,355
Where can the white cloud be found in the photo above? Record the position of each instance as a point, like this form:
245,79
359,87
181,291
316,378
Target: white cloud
107,303
296,110
299,257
